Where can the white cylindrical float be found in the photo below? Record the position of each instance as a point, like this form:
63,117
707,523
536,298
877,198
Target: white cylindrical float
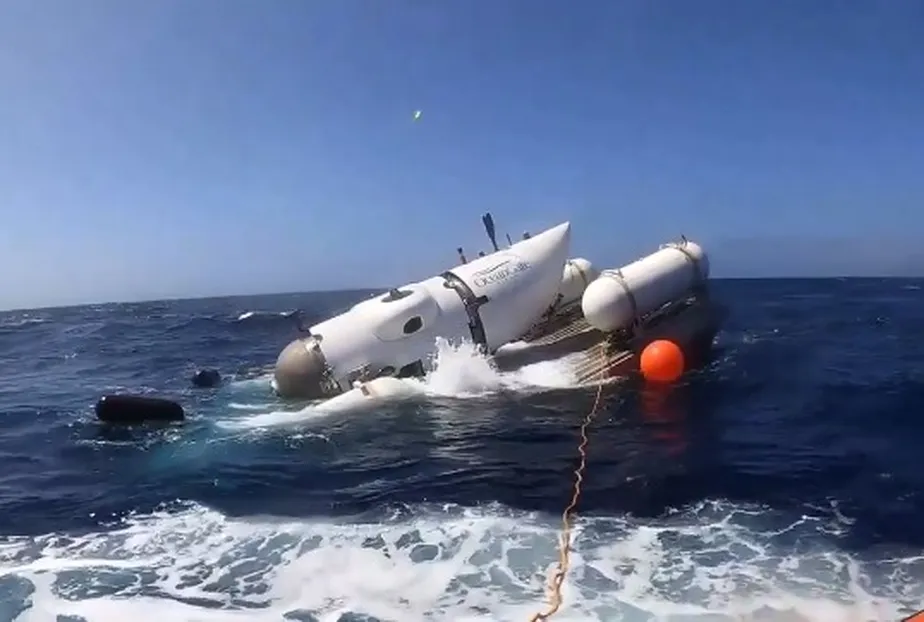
369,394
618,297
578,274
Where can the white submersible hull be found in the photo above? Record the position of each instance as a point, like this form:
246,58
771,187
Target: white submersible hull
490,301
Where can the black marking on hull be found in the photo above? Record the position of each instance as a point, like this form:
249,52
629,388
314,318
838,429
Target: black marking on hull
471,303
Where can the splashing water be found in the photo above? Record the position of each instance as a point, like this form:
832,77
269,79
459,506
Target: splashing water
460,371
712,563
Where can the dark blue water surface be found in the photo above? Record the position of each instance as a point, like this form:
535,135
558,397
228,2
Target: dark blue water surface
811,410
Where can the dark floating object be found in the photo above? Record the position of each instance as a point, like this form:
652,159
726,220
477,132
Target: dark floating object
206,378
127,409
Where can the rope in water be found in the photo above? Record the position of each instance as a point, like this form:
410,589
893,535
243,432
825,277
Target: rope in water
564,544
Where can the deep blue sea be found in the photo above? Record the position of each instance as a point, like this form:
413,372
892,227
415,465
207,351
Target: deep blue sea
782,482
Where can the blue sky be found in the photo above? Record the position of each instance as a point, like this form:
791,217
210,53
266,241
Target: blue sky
177,148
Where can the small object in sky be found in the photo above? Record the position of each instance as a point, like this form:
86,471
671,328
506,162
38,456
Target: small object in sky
417,114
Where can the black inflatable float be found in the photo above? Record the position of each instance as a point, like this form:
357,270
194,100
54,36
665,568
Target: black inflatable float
206,378
128,409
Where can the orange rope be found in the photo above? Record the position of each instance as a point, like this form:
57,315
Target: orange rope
564,550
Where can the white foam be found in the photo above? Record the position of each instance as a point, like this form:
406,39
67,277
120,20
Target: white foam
239,406
714,563
246,315
259,383
460,372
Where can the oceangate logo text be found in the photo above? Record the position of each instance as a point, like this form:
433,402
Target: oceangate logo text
499,272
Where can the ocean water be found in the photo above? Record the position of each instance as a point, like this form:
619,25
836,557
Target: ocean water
782,482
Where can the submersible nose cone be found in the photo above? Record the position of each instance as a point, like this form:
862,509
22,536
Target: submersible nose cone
300,372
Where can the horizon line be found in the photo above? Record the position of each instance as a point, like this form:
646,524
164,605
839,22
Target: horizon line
347,290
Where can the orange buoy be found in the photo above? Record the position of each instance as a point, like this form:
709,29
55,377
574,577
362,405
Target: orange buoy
662,361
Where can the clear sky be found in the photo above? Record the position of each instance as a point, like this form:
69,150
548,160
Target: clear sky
200,147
